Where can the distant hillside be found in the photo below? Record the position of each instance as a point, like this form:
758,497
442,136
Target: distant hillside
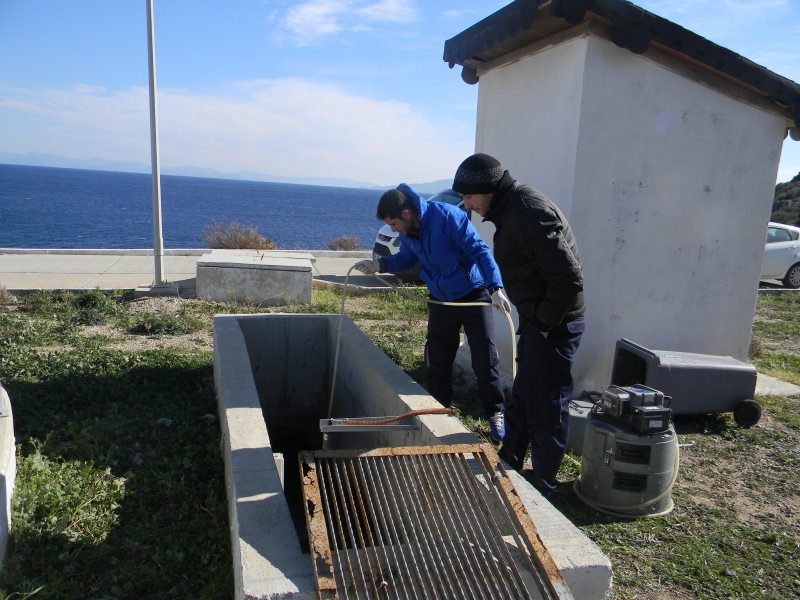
786,206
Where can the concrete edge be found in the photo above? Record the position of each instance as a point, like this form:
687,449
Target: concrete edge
253,487
8,470
177,252
586,570
776,291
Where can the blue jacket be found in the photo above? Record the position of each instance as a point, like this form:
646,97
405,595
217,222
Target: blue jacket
455,260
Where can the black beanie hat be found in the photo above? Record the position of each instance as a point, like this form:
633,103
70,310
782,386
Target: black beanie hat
479,174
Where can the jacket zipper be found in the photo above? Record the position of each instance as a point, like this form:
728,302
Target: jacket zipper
422,247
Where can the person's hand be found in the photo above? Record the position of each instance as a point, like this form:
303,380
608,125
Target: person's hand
368,267
500,301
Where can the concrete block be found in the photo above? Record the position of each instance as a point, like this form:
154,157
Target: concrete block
262,280
8,469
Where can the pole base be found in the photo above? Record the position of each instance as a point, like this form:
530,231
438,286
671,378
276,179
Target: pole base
155,291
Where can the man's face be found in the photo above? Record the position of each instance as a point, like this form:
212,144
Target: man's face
404,224
477,202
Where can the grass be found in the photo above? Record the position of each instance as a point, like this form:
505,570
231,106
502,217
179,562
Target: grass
777,329
121,490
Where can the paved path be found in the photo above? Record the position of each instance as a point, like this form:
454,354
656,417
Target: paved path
28,270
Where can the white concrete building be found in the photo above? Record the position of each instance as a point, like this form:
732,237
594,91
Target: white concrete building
662,151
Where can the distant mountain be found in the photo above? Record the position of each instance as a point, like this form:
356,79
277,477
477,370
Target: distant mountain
37,159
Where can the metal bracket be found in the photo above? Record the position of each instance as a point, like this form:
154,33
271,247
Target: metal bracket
341,426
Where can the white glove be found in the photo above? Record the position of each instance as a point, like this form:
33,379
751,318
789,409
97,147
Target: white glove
368,267
500,301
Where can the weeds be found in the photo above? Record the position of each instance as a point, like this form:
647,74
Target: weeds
6,297
344,242
233,235
165,324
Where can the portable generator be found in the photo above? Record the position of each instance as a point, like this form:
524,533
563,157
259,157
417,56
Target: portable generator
629,457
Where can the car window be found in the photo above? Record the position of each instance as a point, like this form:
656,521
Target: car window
448,196
778,234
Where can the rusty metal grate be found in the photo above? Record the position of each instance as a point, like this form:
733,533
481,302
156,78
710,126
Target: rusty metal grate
422,523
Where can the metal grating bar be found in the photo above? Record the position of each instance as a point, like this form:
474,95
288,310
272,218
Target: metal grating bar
422,523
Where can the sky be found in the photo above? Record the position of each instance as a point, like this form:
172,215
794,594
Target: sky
326,88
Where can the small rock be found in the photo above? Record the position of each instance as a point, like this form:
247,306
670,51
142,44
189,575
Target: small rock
138,459
209,419
730,572
164,421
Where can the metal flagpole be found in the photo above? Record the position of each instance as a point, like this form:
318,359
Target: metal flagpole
158,240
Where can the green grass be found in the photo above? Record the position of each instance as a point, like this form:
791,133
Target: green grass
112,502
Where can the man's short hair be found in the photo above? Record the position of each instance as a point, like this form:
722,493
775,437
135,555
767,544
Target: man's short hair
393,203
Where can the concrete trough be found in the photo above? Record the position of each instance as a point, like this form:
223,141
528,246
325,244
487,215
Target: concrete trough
272,376
265,280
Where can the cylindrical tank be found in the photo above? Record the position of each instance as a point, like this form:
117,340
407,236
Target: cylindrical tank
626,472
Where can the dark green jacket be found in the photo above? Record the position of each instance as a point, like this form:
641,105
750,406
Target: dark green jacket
537,255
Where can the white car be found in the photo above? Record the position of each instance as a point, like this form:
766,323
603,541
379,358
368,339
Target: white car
782,255
387,242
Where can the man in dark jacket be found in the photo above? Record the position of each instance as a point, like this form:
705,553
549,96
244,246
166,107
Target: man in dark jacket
457,266
539,262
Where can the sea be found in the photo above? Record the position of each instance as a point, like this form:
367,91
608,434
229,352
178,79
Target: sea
46,207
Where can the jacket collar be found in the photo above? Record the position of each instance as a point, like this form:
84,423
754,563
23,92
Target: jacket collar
500,198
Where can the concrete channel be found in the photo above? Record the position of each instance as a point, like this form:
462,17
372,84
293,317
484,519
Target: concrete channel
272,376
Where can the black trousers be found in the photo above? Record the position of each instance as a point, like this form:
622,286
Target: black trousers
444,326
538,414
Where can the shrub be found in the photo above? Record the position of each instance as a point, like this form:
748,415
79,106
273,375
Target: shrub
344,242
232,235
6,297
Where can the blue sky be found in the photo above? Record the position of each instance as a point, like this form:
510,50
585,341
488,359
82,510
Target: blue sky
329,88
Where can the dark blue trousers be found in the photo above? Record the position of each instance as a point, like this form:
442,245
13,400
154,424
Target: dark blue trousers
444,326
539,412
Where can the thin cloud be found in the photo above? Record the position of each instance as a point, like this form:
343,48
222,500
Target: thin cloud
314,20
288,127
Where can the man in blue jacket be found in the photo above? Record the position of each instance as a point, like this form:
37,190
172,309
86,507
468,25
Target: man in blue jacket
457,266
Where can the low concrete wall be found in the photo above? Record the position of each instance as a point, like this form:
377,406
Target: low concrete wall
8,469
272,377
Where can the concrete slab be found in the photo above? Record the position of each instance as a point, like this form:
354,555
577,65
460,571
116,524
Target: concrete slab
772,386
145,265
60,264
48,281
153,291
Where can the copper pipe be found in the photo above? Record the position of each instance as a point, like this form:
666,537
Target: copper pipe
413,413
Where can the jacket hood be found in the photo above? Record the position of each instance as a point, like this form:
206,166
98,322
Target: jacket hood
419,202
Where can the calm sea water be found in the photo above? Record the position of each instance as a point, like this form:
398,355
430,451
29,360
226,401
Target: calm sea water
44,207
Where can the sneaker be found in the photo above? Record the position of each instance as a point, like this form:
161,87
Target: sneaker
497,426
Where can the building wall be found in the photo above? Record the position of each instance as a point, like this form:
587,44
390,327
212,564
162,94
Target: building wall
528,119
668,188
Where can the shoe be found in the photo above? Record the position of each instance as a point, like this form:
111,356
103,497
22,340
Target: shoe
497,426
